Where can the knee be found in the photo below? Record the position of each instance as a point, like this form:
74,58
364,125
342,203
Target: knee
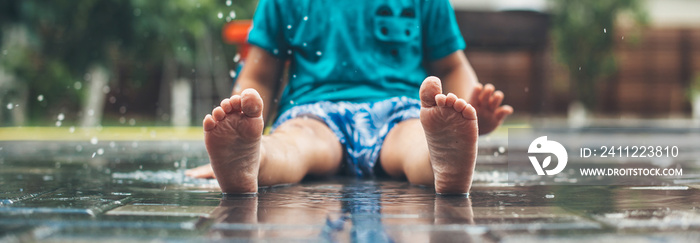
300,126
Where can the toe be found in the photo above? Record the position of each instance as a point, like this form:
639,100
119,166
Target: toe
450,100
440,100
469,112
209,123
235,102
459,105
226,105
251,103
430,88
218,113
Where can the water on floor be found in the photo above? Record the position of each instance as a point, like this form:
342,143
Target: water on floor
129,191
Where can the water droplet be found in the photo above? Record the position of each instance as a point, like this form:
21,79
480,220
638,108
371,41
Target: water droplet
93,140
228,3
93,154
60,116
289,26
220,15
77,85
106,89
58,123
176,164
306,18
71,129
501,149
40,98
47,178
319,53
289,52
10,106
122,109
78,148
291,102
132,121
304,44
112,144
294,76
237,57
623,37
549,196
232,14
495,154
232,73
100,151
275,51
579,68
228,19
605,30
122,120
112,99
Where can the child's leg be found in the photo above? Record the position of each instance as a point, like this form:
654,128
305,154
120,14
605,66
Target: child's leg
242,158
438,149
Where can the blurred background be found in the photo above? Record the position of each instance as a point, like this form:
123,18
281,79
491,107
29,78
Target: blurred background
168,63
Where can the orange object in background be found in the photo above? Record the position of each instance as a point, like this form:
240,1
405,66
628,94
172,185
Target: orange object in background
236,33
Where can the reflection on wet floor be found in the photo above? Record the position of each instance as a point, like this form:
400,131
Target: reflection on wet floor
143,196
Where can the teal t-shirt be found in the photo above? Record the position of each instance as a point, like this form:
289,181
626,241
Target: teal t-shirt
355,50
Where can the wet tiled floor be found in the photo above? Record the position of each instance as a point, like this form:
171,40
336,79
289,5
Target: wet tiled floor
87,191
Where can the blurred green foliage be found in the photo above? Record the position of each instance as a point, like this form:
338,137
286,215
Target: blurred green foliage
584,37
64,38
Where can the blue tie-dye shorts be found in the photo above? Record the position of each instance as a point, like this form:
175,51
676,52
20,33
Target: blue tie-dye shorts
360,127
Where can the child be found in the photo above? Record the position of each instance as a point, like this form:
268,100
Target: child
354,97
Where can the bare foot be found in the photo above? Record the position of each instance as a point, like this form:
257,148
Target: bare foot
232,135
451,129
204,171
